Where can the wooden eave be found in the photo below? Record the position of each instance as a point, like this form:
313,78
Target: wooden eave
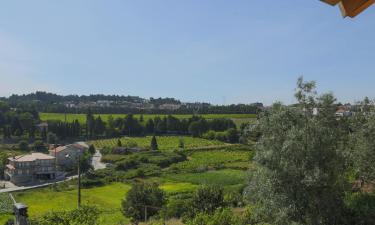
351,8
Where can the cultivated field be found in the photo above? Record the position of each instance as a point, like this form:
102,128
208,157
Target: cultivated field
237,118
178,174
214,159
164,142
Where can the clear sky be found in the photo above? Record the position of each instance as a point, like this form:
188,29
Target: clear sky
218,51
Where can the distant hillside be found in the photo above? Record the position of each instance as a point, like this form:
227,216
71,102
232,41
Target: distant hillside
99,103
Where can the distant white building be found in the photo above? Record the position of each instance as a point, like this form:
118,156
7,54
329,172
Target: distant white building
170,106
342,112
103,103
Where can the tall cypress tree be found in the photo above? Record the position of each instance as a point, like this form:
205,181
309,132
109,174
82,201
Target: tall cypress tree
154,143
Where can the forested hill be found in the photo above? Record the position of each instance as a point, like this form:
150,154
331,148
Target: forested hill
99,103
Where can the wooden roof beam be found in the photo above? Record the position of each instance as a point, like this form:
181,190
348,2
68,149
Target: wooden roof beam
351,8
331,2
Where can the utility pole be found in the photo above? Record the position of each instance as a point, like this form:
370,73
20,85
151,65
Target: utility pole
79,180
145,213
79,176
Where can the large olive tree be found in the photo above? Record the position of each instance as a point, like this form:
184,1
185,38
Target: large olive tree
301,166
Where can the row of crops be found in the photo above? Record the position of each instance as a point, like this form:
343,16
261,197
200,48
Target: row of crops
164,142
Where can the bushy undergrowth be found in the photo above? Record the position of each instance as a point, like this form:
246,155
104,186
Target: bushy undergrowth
6,204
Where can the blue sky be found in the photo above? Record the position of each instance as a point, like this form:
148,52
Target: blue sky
217,51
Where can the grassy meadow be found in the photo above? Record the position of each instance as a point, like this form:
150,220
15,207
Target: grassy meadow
107,199
213,159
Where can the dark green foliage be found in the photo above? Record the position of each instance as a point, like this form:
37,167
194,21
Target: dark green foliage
86,215
90,124
9,222
181,143
176,208
131,126
195,129
362,144
88,182
99,126
232,135
3,162
361,208
127,164
64,130
141,197
150,126
92,149
160,159
300,173
39,146
19,122
51,138
222,124
154,143
219,217
85,162
119,144
43,134
23,145
208,198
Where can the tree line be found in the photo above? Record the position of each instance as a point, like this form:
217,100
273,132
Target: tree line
21,124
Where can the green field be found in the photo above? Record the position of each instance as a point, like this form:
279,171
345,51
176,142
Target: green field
164,142
214,159
238,118
178,173
107,199
225,177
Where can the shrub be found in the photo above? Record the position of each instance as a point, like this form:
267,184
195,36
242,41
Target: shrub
361,207
221,136
208,198
176,208
141,195
92,149
39,146
154,144
210,135
232,136
233,199
126,164
86,215
220,217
